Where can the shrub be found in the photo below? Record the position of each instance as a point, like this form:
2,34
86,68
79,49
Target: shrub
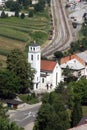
16,14
22,16
30,14
3,15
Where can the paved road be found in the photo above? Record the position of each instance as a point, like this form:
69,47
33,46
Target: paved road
24,117
62,34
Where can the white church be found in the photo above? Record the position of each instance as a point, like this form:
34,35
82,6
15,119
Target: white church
47,73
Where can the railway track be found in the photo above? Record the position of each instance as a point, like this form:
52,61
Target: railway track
62,33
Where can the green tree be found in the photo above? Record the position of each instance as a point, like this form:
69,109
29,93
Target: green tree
60,87
16,62
5,124
84,28
22,16
3,111
30,13
58,54
45,98
70,94
44,116
58,103
52,114
9,83
3,15
68,75
81,89
25,3
13,5
39,7
76,113
16,14
48,2
78,89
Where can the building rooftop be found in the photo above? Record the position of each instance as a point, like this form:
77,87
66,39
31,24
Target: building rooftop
72,64
34,44
12,101
83,55
47,65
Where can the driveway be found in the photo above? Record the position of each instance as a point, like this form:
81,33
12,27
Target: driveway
25,117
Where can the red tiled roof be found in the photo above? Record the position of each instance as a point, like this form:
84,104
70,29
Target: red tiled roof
47,65
67,58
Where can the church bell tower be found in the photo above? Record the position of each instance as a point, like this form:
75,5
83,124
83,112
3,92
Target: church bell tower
34,58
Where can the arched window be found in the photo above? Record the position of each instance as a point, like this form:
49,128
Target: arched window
31,57
42,80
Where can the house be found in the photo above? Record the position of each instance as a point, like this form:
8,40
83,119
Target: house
81,57
2,2
13,103
75,65
48,73
34,2
76,62
74,0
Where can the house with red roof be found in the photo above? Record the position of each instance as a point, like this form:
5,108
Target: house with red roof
47,73
50,74
76,62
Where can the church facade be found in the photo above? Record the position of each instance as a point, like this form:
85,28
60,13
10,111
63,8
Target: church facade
47,73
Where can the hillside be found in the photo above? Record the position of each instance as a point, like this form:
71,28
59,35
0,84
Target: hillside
19,33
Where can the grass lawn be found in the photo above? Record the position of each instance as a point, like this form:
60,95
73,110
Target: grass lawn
84,108
19,33
30,99
2,61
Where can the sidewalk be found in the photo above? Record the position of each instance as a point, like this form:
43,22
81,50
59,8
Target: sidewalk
29,126
27,106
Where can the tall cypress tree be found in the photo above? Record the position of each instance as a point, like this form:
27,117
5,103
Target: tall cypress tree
76,113
52,114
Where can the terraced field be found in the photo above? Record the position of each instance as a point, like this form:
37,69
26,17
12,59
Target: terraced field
19,33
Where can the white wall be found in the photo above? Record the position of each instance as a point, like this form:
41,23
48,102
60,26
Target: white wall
51,78
34,2
34,58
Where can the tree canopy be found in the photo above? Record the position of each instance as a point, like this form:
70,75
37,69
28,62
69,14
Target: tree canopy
9,83
78,89
13,5
5,124
16,62
76,113
52,114
58,54
68,75
25,3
